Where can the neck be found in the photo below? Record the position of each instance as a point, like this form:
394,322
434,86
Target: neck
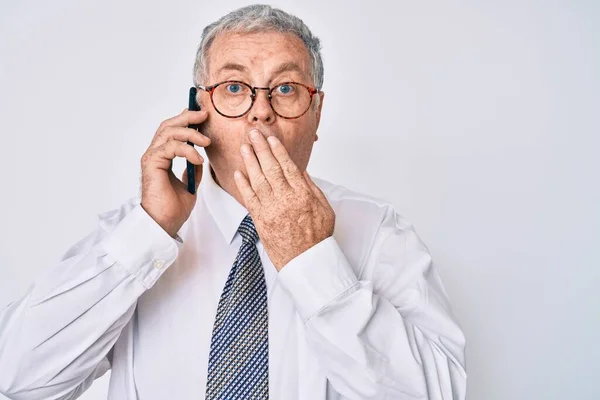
227,185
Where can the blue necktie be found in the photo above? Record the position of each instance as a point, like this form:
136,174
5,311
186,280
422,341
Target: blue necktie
238,364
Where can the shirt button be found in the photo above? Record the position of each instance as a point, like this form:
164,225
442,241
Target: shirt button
158,264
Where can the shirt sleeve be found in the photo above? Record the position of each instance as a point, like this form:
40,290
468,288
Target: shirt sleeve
54,341
388,333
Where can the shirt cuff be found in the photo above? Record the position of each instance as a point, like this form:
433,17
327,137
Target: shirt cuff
142,246
317,277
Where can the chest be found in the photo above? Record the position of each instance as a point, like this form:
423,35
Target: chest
173,324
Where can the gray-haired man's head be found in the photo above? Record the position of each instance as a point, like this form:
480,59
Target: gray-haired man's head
259,18
258,67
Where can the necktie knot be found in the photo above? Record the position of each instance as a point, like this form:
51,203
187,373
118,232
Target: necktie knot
248,231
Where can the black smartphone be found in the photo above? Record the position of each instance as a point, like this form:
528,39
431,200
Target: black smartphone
191,170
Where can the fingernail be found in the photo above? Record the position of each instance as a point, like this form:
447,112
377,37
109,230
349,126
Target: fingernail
272,140
254,134
245,149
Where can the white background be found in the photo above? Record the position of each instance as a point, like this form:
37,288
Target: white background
478,120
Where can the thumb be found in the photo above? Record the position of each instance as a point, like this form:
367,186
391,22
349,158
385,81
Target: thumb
199,170
317,192
198,173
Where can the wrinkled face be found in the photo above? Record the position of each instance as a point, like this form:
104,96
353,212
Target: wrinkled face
262,59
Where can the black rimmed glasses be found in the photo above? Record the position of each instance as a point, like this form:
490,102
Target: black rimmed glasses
233,99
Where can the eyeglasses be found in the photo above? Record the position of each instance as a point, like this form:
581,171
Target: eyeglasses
233,99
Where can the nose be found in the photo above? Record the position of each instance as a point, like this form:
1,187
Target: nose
261,110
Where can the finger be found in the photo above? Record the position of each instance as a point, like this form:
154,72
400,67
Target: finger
185,118
162,156
268,163
290,170
258,181
182,134
316,190
251,200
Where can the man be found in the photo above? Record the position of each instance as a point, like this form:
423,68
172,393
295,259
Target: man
269,283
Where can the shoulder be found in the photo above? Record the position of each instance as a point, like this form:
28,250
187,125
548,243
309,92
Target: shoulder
362,221
363,207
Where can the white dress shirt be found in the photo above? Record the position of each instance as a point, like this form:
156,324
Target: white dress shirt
360,315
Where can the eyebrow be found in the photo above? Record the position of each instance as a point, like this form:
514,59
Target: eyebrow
285,67
233,67
288,66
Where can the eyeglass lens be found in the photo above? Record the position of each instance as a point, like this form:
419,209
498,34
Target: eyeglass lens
288,100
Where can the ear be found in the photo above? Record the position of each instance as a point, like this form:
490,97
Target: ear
202,98
319,108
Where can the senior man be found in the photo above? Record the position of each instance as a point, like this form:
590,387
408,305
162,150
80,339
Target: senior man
268,283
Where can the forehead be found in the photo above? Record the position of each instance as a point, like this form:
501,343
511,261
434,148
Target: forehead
260,52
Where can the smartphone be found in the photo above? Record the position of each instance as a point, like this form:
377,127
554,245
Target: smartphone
191,170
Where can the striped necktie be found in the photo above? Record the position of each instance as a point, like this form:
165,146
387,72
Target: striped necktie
238,364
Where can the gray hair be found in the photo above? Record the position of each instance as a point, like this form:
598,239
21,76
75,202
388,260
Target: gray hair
259,18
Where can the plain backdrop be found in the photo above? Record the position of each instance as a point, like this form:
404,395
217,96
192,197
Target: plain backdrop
478,120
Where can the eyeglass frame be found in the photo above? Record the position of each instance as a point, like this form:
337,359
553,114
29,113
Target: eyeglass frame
210,89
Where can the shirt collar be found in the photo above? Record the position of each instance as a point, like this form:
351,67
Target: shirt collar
223,207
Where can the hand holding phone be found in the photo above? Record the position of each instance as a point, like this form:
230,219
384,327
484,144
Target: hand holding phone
165,197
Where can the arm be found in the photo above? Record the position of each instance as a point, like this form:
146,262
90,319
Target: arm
388,333
56,339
